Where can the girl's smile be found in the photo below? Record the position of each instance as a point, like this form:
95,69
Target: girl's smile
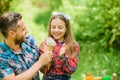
58,29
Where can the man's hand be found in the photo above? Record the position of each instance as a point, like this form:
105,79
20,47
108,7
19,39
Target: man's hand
45,58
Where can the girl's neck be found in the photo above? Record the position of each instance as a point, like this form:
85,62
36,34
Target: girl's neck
60,40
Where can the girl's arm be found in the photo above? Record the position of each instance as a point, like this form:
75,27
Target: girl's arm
69,65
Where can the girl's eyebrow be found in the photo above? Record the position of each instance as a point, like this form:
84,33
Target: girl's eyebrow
52,25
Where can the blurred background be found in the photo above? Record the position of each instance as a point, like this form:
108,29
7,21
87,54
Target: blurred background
95,25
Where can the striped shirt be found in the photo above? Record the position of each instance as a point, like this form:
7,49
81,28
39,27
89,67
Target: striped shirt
11,62
58,66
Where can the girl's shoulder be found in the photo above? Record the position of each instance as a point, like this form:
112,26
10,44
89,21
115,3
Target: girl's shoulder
77,44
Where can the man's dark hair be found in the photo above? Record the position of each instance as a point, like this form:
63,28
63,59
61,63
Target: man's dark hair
8,21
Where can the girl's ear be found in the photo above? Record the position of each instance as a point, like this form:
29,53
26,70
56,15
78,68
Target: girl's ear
11,33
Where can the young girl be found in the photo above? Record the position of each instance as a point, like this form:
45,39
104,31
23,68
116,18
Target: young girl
65,52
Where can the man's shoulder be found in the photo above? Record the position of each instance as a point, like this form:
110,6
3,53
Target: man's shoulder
1,43
30,41
2,50
2,47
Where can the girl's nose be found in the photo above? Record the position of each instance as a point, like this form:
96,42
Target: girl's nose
56,30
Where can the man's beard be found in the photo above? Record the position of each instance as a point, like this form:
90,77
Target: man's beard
18,41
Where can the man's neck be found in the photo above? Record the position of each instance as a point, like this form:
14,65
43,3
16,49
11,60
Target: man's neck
11,44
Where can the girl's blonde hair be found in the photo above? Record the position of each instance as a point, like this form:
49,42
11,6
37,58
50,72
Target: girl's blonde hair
68,37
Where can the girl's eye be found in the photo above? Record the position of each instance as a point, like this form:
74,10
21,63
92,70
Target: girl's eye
52,27
60,27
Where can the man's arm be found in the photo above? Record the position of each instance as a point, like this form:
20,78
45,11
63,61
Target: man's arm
28,75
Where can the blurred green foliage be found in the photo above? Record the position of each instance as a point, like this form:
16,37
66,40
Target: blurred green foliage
43,15
4,6
95,25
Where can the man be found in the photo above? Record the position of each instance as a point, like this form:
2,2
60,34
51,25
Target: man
19,57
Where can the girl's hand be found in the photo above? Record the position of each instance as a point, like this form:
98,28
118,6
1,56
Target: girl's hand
44,47
62,50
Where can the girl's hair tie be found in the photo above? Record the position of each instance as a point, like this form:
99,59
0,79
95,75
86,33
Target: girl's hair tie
67,17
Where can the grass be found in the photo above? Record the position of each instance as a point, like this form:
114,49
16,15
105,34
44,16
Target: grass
97,63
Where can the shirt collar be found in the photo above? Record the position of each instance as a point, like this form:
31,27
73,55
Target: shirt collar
12,50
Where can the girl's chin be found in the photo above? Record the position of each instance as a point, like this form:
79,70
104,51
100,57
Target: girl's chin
56,37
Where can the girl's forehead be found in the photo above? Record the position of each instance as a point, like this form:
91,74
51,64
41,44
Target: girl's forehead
57,19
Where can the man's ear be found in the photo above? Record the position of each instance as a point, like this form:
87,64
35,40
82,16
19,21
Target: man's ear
11,33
